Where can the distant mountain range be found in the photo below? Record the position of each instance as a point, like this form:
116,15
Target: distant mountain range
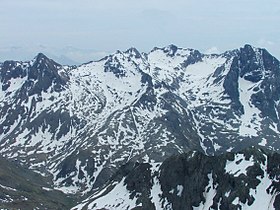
66,56
80,126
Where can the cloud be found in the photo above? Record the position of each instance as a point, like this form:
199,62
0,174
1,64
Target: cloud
108,25
265,43
273,46
212,50
83,56
68,55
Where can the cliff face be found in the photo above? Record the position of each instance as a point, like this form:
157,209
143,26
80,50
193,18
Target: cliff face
245,180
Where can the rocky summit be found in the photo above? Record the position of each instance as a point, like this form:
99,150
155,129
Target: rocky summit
80,126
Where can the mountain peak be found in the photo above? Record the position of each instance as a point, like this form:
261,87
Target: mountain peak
41,61
248,46
45,71
133,51
41,56
170,49
250,50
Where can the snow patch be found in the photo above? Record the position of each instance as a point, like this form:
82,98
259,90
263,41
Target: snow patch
250,120
239,165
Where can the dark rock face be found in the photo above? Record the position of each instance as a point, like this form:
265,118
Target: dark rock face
256,66
139,181
195,180
10,70
113,65
77,165
250,68
193,174
41,74
134,53
37,77
45,72
194,57
231,86
268,92
170,50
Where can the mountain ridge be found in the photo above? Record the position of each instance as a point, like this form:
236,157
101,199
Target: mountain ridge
247,179
79,124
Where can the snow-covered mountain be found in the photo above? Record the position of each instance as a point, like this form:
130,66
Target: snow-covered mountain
80,124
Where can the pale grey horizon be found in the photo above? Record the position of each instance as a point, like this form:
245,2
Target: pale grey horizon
80,31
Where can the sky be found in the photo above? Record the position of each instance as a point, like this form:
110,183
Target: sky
78,31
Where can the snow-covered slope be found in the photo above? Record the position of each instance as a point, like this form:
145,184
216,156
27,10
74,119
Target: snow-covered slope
193,181
80,124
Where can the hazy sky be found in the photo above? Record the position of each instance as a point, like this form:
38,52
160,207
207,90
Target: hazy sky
84,30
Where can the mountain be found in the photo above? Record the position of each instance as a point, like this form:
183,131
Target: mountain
248,179
23,189
79,125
